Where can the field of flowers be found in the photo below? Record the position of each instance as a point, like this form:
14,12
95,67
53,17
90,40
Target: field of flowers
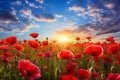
51,60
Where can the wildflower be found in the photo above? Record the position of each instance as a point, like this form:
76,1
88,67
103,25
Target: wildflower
68,77
48,54
24,40
78,55
27,54
34,44
84,74
28,69
44,43
70,68
97,43
113,76
95,75
113,49
89,38
7,57
77,38
18,47
107,59
39,55
65,54
11,40
94,50
34,35
4,47
110,38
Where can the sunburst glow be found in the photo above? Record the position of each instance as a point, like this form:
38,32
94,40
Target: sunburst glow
64,39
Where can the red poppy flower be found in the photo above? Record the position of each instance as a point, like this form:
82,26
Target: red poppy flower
47,54
39,55
97,43
27,54
7,57
94,50
113,76
34,35
24,40
95,75
78,55
68,77
18,47
118,58
107,59
65,54
70,68
113,49
84,74
77,38
77,44
44,43
28,69
34,44
110,38
88,37
11,40
4,47
104,44
7,54
97,59
1,41
117,62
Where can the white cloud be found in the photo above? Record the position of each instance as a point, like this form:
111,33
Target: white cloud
58,16
31,4
1,30
26,1
76,8
26,11
110,5
28,27
71,23
13,11
17,3
68,2
44,19
70,26
40,1
92,12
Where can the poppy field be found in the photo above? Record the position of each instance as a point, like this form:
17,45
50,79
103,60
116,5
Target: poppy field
51,60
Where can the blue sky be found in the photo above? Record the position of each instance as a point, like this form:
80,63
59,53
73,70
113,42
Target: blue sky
51,18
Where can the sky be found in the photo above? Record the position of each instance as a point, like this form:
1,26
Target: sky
55,18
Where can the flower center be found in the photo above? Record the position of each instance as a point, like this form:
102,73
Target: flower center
94,54
28,73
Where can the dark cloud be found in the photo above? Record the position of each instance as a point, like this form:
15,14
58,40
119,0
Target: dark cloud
104,15
112,28
40,1
45,17
19,27
101,28
19,3
7,16
6,28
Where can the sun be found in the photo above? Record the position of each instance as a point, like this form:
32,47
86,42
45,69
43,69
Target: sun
64,39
